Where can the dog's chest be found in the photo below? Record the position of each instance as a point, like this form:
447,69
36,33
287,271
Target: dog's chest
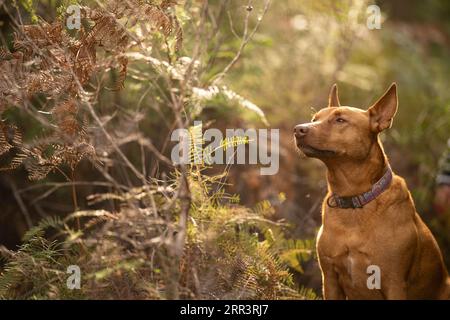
347,252
346,246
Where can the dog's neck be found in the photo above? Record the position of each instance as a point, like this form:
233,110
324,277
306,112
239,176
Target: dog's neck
348,177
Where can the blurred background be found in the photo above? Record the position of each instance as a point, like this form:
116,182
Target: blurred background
301,48
306,46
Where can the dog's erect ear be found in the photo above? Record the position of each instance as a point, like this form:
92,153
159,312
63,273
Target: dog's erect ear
383,111
333,98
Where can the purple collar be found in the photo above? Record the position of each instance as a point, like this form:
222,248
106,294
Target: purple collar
361,200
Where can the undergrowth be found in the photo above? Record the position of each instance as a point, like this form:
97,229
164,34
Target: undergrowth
231,252
156,230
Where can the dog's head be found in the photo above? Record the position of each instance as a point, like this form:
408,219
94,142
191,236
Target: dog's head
336,132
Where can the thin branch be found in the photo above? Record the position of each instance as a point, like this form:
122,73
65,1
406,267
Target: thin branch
247,36
21,204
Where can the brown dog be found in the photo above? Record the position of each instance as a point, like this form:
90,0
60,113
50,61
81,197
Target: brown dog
372,243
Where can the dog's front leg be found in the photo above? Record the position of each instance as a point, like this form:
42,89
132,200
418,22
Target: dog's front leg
331,289
394,272
396,265
396,290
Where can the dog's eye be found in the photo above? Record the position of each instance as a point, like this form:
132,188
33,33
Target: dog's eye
340,120
313,119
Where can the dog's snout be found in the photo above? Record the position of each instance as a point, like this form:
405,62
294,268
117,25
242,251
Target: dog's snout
301,130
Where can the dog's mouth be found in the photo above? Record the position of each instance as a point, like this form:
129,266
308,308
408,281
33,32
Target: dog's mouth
310,151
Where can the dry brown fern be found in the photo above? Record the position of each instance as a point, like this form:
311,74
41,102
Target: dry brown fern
48,61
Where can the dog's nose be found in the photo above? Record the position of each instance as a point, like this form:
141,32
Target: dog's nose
301,130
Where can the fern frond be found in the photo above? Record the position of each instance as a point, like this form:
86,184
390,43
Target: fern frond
44,224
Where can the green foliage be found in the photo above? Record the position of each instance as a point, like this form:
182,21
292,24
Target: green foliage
37,271
44,224
29,6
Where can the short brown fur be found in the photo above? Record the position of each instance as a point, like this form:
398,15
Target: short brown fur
386,232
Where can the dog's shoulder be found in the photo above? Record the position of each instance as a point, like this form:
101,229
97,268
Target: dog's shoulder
398,191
